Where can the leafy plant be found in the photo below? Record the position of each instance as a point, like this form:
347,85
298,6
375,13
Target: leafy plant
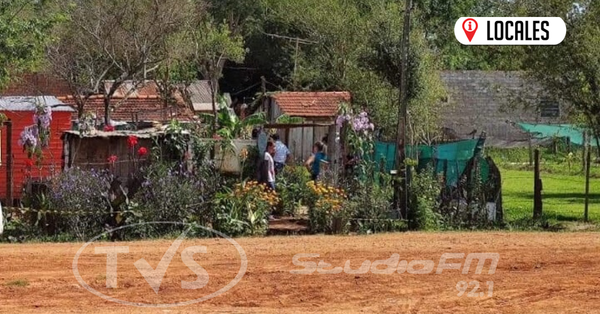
424,200
169,193
244,210
327,211
293,189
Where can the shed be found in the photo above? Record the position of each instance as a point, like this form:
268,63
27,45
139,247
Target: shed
20,110
92,150
318,109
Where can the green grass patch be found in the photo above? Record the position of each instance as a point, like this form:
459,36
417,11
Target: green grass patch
563,196
18,283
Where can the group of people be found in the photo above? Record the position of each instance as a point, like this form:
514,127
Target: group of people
277,155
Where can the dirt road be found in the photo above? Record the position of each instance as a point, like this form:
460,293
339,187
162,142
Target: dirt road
536,273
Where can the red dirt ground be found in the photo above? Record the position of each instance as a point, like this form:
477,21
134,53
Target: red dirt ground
537,273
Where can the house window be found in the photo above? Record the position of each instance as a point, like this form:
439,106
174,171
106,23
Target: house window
549,109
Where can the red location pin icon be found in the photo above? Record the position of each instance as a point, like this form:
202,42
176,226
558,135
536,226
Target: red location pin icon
470,27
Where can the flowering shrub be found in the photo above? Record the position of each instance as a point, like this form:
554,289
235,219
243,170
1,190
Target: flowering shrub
83,192
132,141
36,137
360,123
168,193
142,151
327,212
293,189
244,210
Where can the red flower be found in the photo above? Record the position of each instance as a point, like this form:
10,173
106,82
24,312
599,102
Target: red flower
112,159
142,151
28,162
109,128
132,141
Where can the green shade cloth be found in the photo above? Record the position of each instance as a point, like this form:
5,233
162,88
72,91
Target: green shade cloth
450,159
541,131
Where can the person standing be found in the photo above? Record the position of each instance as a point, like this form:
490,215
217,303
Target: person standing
270,165
313,163
282,154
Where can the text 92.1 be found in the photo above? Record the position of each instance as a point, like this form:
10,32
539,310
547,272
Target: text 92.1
474,289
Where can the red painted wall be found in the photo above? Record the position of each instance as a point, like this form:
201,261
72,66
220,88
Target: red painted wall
61,121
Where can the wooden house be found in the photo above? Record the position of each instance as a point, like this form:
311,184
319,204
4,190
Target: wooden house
319,111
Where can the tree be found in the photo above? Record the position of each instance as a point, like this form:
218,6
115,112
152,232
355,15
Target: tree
118,40
355,46
570,71
212,44
24,27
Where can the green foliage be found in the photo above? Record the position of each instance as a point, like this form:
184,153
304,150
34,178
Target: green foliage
327,210
438,17
370,203
569,72
25,26
285,119
292,188
243,210
424,200
169,193
355,46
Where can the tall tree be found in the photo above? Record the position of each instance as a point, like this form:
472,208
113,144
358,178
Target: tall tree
24,29
570,71
117,40
212,44
355,46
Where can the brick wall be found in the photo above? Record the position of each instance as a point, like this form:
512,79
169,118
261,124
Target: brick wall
486,100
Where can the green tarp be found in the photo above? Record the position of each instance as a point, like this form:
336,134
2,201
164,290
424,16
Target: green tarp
540,131
450,159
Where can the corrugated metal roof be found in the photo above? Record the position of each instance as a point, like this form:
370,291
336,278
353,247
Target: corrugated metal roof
27,103
200,95
311,104
144,133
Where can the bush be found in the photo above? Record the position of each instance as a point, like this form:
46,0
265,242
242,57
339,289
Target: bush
169,193
79,201
293,189
371,206
424,200
244,209
327,211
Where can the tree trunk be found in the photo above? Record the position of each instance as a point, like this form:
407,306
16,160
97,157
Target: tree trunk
213,97
597,137
107,110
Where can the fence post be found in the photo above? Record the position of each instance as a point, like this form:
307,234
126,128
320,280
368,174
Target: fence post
585,148
9,164
537,187
587,184
530,151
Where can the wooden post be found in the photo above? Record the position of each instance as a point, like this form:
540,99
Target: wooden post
585,148
530,151
587,184
537,187
9,164
401,192
333,151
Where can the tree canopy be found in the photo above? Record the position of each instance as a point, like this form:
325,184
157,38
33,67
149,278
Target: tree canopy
24,27
323,45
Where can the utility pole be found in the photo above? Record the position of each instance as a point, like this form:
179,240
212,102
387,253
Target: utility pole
401,192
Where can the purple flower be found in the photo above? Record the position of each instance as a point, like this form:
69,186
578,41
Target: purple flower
28,137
